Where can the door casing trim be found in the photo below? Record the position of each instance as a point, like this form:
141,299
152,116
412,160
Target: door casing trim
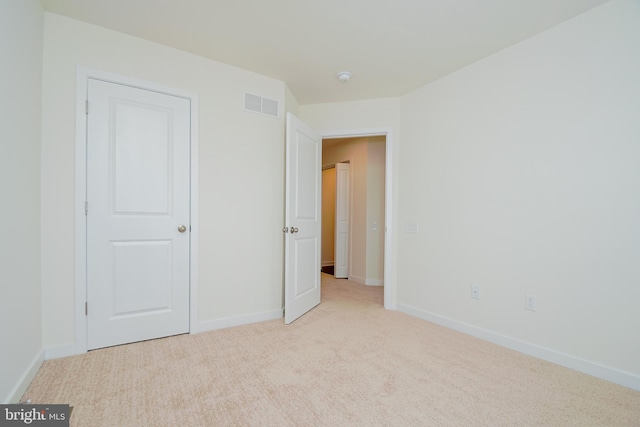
83,74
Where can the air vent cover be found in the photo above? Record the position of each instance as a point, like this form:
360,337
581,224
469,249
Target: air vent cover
270,107
258,104
252,103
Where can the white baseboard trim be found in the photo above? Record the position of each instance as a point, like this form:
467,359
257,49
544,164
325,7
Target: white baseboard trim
597,370
62,351
23,383
229,322
327,264
365,281
72,349
357,279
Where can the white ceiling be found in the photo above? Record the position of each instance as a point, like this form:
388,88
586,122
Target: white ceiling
390,46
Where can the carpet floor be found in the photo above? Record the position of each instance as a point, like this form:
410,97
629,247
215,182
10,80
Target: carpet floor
348,362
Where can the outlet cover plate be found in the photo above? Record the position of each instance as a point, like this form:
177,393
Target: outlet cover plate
475,291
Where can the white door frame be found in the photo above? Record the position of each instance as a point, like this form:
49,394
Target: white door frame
389,284
83,75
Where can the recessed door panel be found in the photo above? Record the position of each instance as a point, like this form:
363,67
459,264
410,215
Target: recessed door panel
142,277
141,153
306,279
306,178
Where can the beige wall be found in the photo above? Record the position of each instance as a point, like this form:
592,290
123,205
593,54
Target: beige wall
290,102
522,173
370,113
20,110
241,164
375,209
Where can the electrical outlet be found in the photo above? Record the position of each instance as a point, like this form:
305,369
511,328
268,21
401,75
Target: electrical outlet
531,303
475,291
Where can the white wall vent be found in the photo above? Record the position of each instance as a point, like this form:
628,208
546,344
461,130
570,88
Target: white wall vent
270,107
258,104
252,103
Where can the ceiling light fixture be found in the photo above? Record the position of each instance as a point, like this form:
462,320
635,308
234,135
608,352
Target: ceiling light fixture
344,76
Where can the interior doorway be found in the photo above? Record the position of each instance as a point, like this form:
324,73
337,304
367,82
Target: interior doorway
291,215
366,158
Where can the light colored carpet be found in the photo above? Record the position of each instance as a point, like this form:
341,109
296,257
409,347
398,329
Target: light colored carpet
348,362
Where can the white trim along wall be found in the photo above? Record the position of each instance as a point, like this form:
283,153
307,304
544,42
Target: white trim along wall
597,370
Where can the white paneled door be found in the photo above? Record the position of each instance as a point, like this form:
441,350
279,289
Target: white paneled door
138,151
341,251
303,203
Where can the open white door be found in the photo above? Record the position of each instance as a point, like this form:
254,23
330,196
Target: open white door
341,251
303,203
138,170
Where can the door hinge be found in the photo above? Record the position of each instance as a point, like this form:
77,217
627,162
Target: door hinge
86,207
86,106
86,308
